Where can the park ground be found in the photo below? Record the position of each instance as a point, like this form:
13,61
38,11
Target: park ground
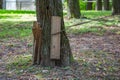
94,40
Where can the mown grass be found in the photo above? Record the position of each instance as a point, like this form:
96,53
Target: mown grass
16,12
19,23
95,14
16,23
97,22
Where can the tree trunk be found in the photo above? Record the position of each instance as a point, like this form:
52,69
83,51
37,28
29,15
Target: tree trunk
106,5
1,3
89,5
116,7
45,10
73,9
98,4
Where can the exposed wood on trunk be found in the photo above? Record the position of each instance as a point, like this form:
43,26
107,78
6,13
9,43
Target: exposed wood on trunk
55,38
37,33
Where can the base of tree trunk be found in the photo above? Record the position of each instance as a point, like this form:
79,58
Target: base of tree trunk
45,10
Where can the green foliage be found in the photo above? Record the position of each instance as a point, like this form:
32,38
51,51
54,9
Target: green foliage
82,5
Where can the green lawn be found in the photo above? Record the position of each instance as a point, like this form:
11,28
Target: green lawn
16,23
19,23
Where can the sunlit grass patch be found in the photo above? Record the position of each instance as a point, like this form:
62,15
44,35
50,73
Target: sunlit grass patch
16,12
95,14
15,29
16,25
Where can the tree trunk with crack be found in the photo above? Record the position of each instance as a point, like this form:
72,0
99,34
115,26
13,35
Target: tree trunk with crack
45,10
73,9
116,7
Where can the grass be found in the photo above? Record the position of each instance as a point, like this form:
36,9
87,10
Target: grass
90,62
97,22
16,23
15,29
16,12
19,24
95,14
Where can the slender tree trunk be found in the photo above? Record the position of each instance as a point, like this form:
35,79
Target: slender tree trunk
1,3
73,8
106,5
45,10
89,5
98,4
116,7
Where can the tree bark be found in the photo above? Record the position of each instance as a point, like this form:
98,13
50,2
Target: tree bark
98,4
45,10
73,8
116,7
89,5
106,5
1,3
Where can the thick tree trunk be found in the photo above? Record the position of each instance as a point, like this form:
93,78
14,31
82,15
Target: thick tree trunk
89,5
116,7
1,3
73,9
45,10
98,4
106,4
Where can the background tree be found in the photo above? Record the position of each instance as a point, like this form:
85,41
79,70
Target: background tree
116,7
73,8
45,10
106,4
89,5
98,4
1,3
